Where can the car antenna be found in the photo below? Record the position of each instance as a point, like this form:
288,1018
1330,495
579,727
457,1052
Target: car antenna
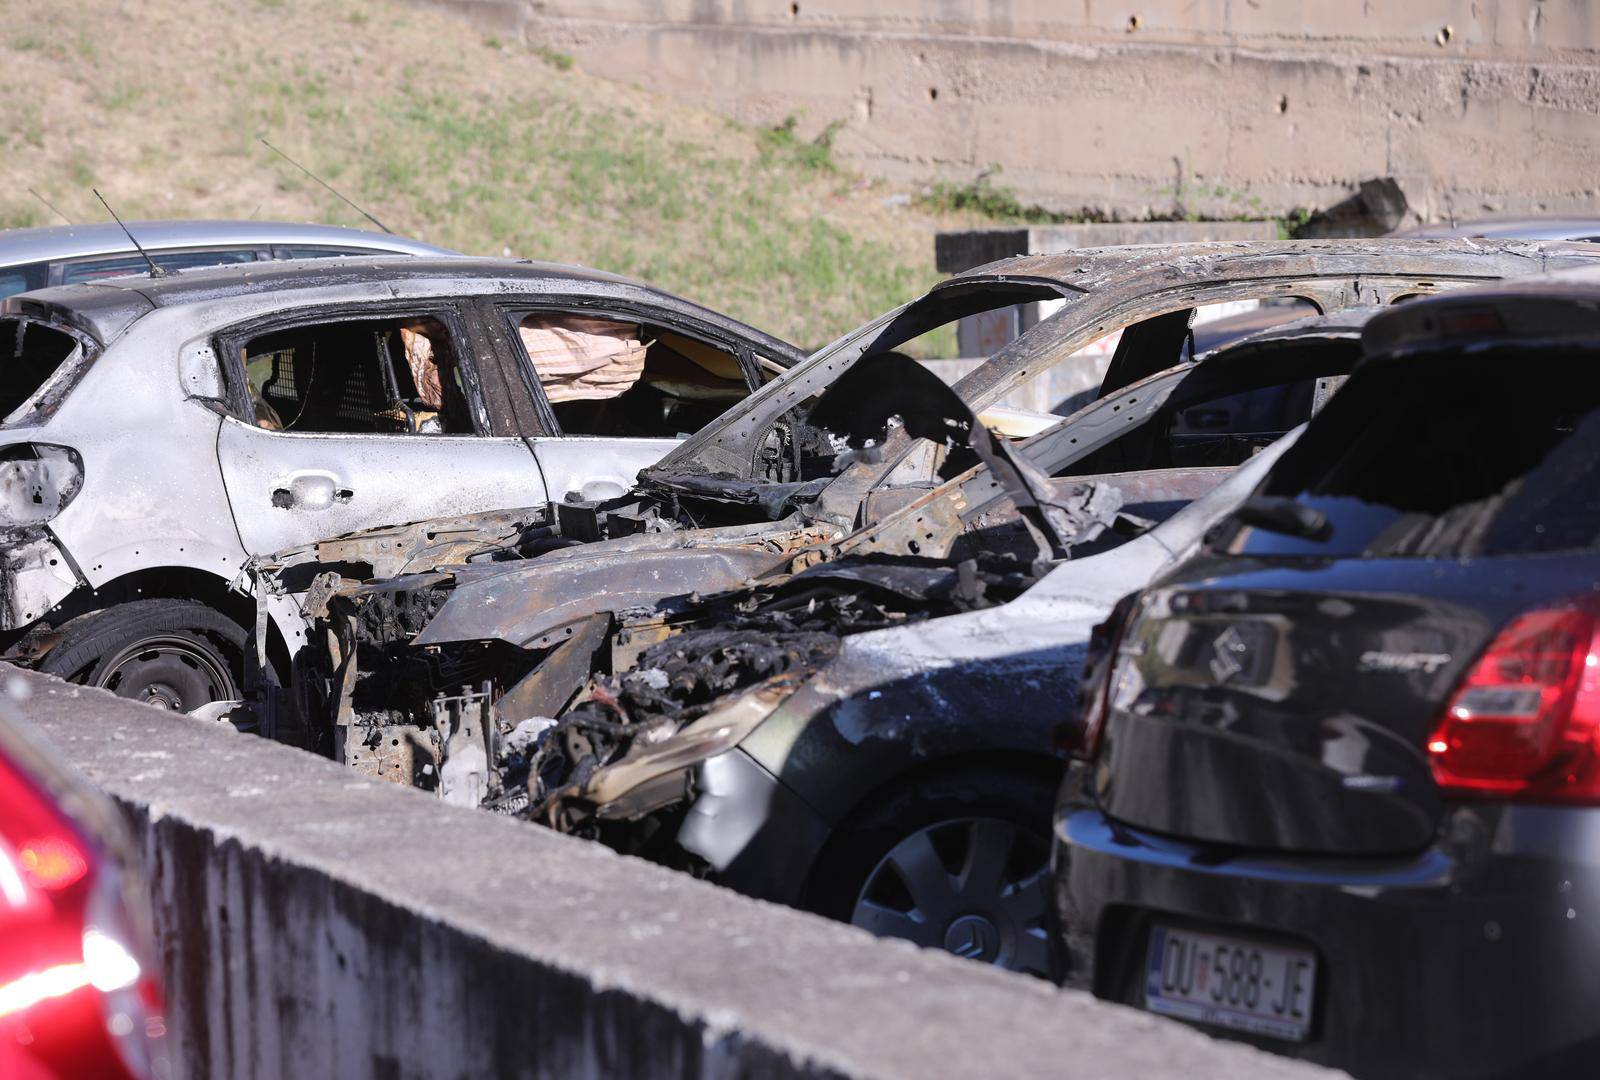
56,209
155,271
327,185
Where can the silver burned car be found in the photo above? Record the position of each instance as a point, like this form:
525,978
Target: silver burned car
159,431
70,254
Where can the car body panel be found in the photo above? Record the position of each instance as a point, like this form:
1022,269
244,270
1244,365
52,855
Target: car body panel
340,483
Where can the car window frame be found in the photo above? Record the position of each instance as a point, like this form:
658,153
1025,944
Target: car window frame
58,267
452,312
511,311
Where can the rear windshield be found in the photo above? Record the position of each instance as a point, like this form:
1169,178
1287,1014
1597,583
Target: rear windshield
1453,457
120,265
34,364
17,279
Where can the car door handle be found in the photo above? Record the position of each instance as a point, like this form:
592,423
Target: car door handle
310,491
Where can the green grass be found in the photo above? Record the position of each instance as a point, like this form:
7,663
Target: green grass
562,181
781,142
558,60
984,198
478,143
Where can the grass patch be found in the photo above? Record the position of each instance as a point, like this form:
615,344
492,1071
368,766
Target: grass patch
558,60
455,138
986,199
782,142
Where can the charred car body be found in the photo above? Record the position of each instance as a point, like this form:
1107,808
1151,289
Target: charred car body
597,675
160,431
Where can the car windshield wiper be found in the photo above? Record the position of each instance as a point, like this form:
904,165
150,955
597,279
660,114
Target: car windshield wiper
1288,517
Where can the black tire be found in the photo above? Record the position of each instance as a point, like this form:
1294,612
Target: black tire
174,654
965,819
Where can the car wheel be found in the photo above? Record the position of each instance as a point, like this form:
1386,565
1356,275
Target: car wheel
956,862
173,654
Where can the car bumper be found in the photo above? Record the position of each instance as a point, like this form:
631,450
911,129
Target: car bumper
759,837
1476,957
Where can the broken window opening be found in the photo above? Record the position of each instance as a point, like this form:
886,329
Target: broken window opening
1152,344
392,376
33,355
610,377
1230,409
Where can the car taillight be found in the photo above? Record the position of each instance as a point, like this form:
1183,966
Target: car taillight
1082,739
40,851
1525,721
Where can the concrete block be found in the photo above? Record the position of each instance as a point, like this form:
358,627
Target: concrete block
313,923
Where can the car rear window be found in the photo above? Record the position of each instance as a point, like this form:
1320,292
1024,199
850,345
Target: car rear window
280,251
17,279
117,266
1445,456
33,368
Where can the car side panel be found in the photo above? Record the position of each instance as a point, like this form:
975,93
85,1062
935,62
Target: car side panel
337,483
593,467
152,494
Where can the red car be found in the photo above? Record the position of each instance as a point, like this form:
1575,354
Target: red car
79,996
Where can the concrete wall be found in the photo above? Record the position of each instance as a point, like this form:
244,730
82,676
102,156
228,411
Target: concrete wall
314,923
1126,109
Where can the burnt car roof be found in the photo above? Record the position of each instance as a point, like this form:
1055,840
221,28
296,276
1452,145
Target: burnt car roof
1081,269
1523,228
107,306
1547,309
244,279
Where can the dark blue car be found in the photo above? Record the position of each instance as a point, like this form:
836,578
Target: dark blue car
1340,781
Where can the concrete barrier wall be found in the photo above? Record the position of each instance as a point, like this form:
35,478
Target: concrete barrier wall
1165,108
313,923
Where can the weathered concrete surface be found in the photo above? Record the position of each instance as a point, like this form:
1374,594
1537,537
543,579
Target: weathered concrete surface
315,924
1122,109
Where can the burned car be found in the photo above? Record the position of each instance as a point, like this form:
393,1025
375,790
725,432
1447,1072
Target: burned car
597,674
158,432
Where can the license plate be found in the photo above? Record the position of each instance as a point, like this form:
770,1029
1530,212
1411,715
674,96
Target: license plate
1230,982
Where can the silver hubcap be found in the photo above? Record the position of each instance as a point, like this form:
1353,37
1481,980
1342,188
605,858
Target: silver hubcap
974,887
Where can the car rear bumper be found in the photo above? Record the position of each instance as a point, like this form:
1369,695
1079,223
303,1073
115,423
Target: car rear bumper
1476,957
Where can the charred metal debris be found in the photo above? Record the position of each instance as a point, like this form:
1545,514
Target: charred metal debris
594,718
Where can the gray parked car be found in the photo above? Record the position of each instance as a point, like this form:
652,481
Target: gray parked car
68,254
158,432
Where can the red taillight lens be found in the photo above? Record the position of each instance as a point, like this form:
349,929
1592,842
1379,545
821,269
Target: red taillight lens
40,851
1525,721
1094,703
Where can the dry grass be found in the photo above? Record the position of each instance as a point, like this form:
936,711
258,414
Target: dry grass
463,140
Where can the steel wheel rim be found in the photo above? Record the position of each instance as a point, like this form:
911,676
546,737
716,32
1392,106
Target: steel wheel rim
168,671
974,887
